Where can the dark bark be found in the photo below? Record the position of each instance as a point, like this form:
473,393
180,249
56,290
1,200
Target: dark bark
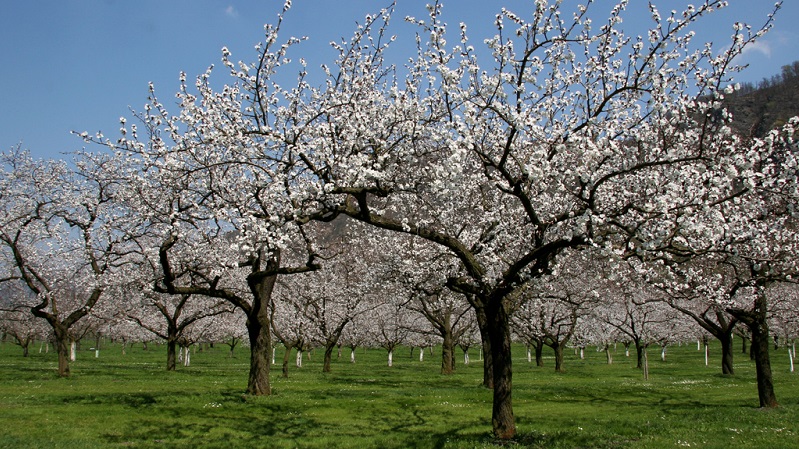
726,354
171,354
328,357
447,353
502,418
639,351
485,341
260,351
756,320
539,353
558,348
719,325
62,343
258,330
765,383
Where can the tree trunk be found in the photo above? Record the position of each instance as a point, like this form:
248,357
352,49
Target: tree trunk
558,348
609,355
328,357
186,355
498,331
286,356
756,321
62,344
258,330
352,355
260,349
539,353
485,340
726,353
447,349
171,347
639,352
646,365
390,357
760,344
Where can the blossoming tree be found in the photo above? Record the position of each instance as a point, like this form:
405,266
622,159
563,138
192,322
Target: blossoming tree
562,132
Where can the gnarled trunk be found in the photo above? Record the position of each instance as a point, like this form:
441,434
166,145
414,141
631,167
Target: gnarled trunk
258,330
260,349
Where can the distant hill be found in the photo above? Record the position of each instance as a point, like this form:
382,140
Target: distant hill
756,109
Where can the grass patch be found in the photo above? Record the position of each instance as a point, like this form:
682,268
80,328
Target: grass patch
130,401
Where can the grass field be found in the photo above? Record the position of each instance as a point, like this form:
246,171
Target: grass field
130,401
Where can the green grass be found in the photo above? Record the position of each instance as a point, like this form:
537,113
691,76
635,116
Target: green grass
130,401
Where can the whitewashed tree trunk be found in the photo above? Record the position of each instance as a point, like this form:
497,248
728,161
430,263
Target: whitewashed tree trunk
663,353
273,354
609,355
792,354
421,355
96,353
390,358
627,351
646,365
186,355
299,358
352,355
465,357
698,345
707,355
481,353
73,351
582,353
529,355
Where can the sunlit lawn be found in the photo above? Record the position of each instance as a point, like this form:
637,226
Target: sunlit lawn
131,401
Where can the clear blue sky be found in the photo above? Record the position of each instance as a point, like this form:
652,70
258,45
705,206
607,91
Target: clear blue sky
81,64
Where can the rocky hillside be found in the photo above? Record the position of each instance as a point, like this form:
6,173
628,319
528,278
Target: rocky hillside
758,108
